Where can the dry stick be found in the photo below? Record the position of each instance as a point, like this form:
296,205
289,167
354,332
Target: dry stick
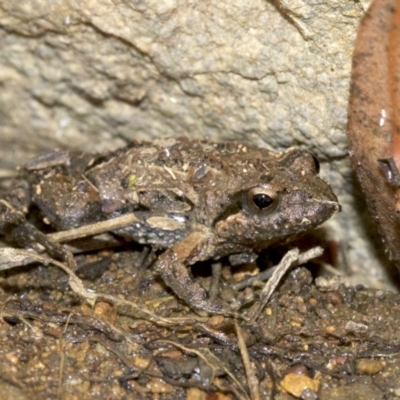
215,280
10,258
252,380
213,362
265,275
7,174
94,229
287,261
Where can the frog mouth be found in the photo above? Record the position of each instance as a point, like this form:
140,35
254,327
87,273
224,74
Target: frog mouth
337,207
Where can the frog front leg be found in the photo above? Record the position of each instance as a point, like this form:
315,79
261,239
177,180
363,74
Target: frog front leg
173,267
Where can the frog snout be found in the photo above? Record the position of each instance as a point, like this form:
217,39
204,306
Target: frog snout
334,205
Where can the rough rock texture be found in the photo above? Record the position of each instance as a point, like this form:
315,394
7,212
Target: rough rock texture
90,74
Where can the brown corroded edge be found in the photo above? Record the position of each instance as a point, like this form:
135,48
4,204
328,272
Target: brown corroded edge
369,140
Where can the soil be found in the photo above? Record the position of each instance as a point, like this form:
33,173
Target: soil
315,339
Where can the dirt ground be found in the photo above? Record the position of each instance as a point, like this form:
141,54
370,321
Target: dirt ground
313,340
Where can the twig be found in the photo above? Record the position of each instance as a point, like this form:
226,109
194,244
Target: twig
287,261
10,258
213,362
94,229
215,280
252,380
265,275
7,174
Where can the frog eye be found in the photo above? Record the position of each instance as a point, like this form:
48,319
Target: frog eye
260,199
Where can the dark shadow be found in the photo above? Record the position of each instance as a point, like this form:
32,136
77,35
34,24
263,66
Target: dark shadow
371,230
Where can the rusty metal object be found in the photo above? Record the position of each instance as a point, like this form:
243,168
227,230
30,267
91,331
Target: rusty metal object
374,118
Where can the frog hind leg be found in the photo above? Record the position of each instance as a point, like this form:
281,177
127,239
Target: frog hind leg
14,225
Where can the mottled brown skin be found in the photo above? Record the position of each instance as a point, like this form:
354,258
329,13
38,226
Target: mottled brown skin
197,200
373,127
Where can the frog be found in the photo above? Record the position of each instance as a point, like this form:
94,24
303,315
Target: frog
193,200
